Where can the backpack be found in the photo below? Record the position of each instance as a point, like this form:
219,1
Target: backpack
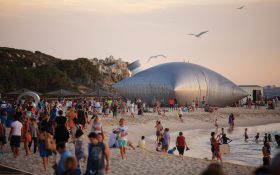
2,130
79,132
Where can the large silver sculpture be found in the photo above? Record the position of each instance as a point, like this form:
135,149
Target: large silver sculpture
184,81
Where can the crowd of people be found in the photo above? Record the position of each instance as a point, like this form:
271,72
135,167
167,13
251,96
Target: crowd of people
49,126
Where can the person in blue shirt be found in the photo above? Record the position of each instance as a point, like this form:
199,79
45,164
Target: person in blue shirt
97,154
64,154
53,113
171,151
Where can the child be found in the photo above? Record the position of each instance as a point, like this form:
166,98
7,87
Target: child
246,135
159,147
142,143
122,140
172,150
113,139
223,131
216,123
269,138
180,114
257,137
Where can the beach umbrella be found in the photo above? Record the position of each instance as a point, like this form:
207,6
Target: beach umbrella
62,92
100,92
20,91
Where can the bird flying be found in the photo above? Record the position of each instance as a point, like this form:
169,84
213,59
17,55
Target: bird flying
156,56
241,7
199,34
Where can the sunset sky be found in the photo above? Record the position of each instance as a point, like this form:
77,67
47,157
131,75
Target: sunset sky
243,45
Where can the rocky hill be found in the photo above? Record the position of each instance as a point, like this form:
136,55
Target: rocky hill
42,72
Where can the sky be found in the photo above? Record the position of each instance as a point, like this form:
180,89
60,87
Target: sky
242,45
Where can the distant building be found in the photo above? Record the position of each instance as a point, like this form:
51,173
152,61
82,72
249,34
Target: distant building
271,92
254,91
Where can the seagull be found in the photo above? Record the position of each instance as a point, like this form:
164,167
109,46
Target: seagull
198,35
241,7
156,56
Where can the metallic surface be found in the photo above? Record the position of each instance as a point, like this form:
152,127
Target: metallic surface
34,95
184,81
134,67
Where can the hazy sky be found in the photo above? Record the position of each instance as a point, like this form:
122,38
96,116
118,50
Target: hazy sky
243,45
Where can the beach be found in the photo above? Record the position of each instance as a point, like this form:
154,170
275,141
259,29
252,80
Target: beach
148,161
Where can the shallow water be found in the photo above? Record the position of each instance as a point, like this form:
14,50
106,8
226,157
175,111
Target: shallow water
241,152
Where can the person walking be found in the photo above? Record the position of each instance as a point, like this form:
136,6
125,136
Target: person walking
181,144
15,136
98,156
34,134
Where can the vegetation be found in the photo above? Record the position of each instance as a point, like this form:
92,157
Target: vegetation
41,72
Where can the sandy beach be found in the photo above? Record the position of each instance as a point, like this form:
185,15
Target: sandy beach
149,161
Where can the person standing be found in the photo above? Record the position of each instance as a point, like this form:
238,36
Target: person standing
70,115
131,109
231,120
77,137
159,129
180,114
44,153
266,150
166,141
82,117
61,134
214,145
257,137
181,144
225,140
15,136
34,134
246,137
122,141
98,154
193,106
115,109
97,126
3,139
26,134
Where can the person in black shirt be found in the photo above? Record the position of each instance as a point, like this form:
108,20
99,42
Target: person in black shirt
81,115
61,132
115,109
60,120
47,124
225,139
265,137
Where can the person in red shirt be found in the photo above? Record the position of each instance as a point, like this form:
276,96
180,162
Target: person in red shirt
171,103
181,144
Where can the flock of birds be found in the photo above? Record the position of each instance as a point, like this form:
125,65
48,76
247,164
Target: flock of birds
197,35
